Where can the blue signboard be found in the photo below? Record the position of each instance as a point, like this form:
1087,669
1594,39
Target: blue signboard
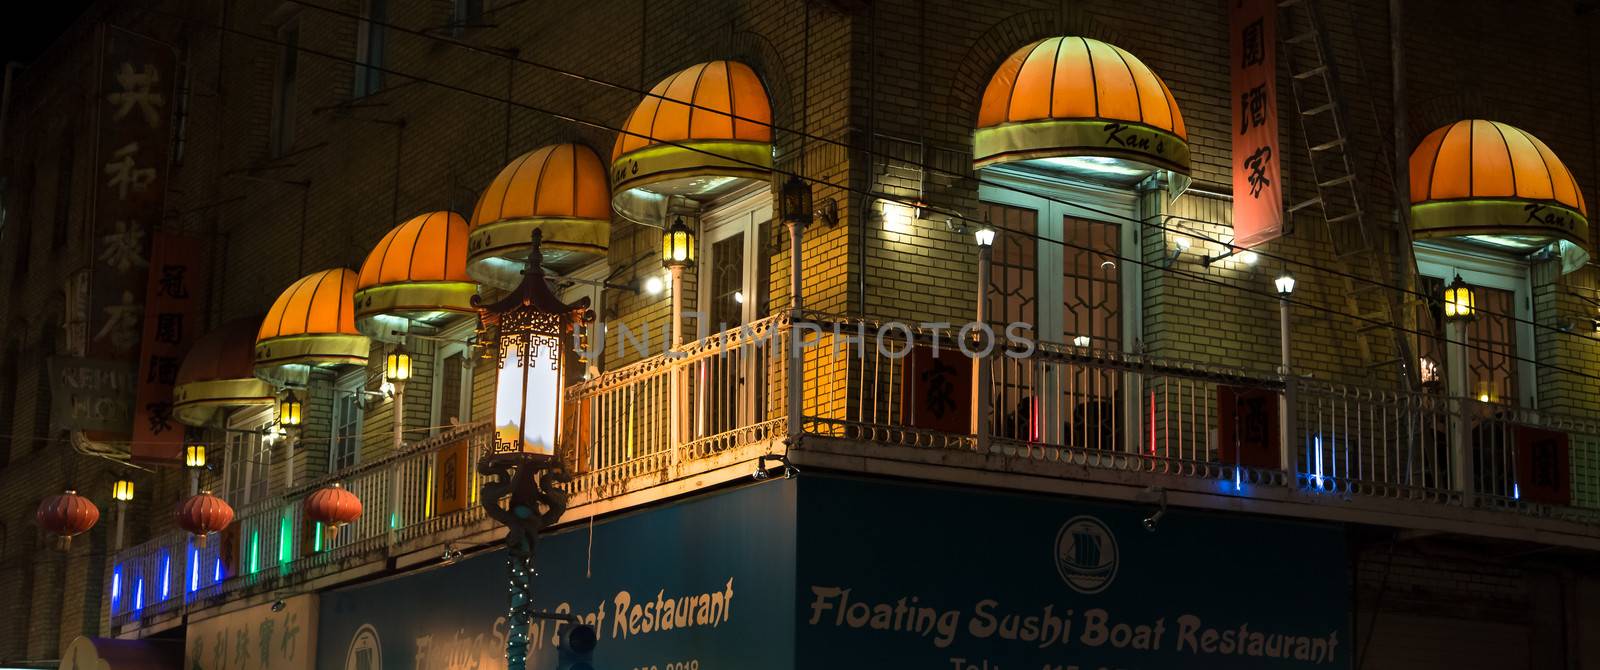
707,583
832,572
913,576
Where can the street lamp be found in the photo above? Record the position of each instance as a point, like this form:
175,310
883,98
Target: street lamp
1285,284
677,255
985,236
396,371
677,246
194,458
1460,304
290,410
980,391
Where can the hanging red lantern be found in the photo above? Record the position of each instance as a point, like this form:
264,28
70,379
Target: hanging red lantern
204,514
66,515
333,506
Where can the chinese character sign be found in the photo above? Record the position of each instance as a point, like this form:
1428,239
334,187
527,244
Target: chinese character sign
134,130
937,393
1257,186
255,638
173,302
1247,427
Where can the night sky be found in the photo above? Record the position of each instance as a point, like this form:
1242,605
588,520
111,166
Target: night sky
24,39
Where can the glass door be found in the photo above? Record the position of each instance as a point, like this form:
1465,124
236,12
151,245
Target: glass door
735,291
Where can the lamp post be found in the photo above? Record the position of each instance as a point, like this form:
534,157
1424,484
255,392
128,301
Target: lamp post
677,255
1285,283
795,207
194,458
983,373
122,492
522,471
396,372
1460,309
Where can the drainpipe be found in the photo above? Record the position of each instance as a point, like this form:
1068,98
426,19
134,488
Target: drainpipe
1401,161
5,103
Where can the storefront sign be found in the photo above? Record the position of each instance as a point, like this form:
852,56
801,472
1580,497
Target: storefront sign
257,638
916,576
1257,185
134,133
1247,427
90,394
706,583
172,320
1544,465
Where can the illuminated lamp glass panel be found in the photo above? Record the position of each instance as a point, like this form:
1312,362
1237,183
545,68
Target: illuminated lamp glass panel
528,393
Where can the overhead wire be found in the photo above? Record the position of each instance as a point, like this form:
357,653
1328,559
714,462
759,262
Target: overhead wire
806,135
569,118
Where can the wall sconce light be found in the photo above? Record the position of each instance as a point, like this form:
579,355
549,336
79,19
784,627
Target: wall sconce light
1459,302
1180,244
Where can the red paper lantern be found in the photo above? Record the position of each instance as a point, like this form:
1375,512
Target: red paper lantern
333,506
66,515
203,514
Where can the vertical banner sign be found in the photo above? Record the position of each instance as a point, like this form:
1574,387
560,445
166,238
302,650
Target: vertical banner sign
1257,188
1247,427
133,137
171,321
937,393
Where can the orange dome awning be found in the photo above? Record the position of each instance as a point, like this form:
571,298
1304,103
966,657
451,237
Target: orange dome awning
311,324
417,271
1497,184
559,189
1083,104
219,373
719,119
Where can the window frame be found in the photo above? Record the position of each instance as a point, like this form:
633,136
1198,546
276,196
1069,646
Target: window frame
349,395
248,428
369,58
284,86
453,340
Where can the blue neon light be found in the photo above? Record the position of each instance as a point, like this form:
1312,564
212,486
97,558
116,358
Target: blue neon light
138,594
194,569
166,575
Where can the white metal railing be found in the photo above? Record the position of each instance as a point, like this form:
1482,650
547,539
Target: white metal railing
1053,403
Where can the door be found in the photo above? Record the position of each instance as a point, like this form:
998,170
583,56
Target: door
735,291
1058,269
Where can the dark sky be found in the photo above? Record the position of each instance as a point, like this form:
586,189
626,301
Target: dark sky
31,27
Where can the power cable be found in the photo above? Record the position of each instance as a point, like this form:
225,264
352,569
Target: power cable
806,135
862,191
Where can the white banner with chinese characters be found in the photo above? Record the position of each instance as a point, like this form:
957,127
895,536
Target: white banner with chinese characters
258,638
133,119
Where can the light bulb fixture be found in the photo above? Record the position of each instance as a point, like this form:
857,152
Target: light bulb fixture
1459,302
1082,341
985,236
677,246
1285,284
122,490
289,410
1249,257
653,286
397,366
1180,245
795,201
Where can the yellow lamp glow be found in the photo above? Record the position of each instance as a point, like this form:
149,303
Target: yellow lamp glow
1459,302
677,246
397,366
289,410
122,490
194,455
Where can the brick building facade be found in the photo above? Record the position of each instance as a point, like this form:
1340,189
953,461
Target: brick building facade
304,133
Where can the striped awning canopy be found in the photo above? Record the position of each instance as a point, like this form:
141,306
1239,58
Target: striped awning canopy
559,190
1497,185
218,374
1084,106
312,324
701,133
416,272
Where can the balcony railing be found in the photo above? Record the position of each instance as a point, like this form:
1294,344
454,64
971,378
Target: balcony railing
665,415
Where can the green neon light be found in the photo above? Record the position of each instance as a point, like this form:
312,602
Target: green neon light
316,544
255,551
283,540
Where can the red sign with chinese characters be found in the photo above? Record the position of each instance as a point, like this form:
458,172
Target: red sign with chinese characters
133,138
173,302
1257,187
1544,466
937,392
1247,427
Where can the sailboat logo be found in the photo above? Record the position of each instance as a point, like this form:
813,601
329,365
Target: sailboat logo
1086,554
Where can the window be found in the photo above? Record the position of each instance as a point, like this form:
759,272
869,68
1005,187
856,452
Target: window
371,43
248,463
1495,364
465,13
344,447
452,386
283,97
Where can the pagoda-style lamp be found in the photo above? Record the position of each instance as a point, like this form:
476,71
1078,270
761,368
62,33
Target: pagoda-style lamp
122,492
527,329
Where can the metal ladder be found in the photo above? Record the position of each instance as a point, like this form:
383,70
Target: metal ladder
1372,310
